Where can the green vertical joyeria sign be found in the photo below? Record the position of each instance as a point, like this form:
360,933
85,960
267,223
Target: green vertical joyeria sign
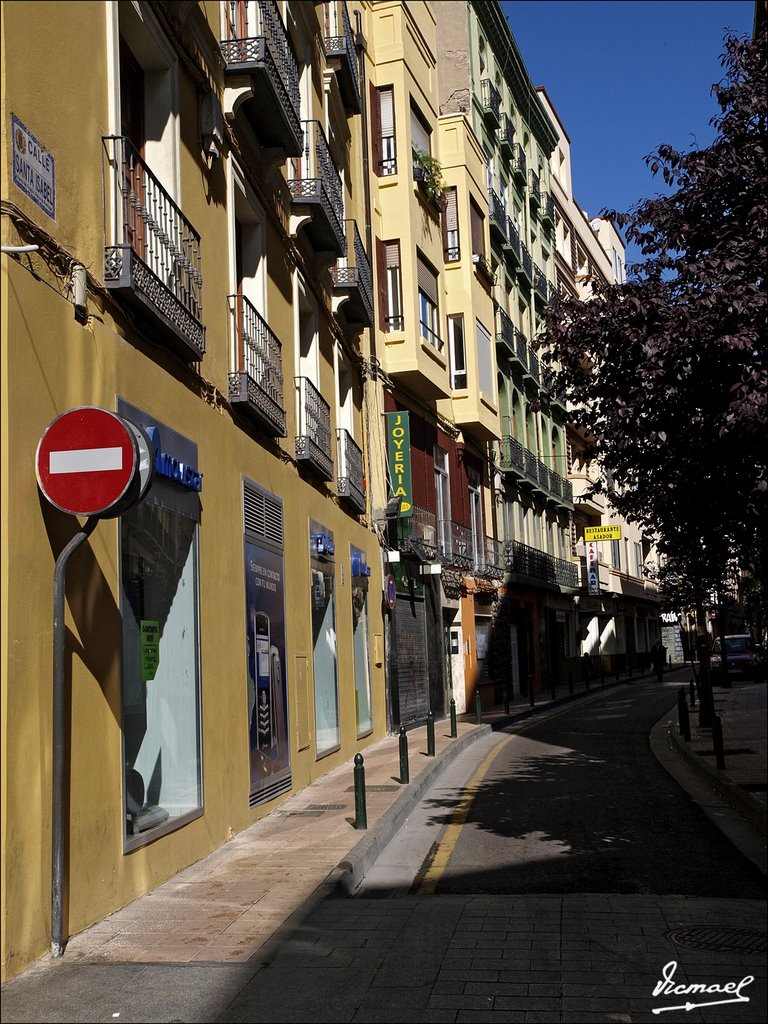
150,648
399,448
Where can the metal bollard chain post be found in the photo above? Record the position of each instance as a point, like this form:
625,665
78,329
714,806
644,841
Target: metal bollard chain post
454,729
405,772
361,815
692,693
717,737
430,734
478,708
682,714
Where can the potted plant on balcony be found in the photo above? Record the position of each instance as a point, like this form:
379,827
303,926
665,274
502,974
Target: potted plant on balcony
428,173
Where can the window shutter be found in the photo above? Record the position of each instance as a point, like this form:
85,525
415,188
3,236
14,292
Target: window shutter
478,241
427,280
387,111
450,221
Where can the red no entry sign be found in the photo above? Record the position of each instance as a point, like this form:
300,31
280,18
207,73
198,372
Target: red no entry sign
87,461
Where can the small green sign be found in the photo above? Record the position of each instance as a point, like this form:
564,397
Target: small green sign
399,448
150,648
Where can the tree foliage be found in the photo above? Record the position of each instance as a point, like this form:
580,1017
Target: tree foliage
667,372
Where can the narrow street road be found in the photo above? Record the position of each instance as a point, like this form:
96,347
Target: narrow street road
556,874
579,803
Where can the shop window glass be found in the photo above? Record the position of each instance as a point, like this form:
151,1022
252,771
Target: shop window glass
323,599
360,645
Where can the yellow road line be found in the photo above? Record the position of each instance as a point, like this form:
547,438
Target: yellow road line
450,838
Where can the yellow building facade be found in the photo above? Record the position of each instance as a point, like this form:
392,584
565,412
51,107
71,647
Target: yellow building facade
183,230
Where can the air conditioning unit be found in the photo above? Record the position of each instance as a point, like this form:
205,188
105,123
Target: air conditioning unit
429,535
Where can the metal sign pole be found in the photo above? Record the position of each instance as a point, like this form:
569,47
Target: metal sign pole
59,738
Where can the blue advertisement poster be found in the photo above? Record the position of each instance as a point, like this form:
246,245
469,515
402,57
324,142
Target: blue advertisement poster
267,689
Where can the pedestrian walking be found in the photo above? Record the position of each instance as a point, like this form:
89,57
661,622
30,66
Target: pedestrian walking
659,658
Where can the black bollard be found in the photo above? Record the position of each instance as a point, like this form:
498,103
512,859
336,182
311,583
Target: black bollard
361,816
506,700
682,714
430,734
454,730
478,707
692,693
717,737
405,772
570,683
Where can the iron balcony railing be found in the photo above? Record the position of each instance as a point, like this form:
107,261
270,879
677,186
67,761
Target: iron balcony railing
491,101
457,545
423,536
523,560
531,465
152,252
505,331
494,558
512,248
256,380
535,187
257,44
313,434
497,216
340,45
511,455
519,163
395,323
526,263
352,274
521,347
506,135
546,209
317,182
350,482
533,365
540,284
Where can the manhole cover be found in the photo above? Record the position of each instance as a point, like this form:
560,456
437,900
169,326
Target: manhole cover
720,940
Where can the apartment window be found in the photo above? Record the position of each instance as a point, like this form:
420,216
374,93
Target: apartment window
616,554
361,649
484,360
582,264
639,560
458,352
428,308
390,286
477,223
324,662
442,498
384,150
420,134
450,220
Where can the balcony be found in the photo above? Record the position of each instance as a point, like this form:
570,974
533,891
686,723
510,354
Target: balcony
435,198
506,136
547,210
560,491
256,383
422,539
511,457
493,564
352,279
548,385
540,285
342,54
484,269
534,190
512,249
456,547
519,165
316,190
581,485
525,270
497,218
350,483
313,436
152,252
534,372
261,69
490,102
509,340
531,564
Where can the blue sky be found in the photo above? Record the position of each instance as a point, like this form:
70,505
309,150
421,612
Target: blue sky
626,76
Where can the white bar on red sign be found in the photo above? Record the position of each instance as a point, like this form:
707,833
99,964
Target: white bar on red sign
86,460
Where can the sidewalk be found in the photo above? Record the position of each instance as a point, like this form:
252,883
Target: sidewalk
237,903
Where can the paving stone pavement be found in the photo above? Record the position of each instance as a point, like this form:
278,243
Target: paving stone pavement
254,907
